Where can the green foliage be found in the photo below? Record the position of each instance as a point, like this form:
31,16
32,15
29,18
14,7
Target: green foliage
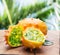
58,2
44,14
17,14
9,4
25,11
4,19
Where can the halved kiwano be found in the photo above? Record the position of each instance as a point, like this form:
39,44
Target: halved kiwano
33,38
29,22
13,36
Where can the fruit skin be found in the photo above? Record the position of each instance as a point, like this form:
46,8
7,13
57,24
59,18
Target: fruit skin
32,44
7,35
29,22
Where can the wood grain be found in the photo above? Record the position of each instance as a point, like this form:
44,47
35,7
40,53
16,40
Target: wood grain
44,50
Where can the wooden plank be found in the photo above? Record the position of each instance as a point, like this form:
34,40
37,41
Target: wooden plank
4,49
50,50
44,50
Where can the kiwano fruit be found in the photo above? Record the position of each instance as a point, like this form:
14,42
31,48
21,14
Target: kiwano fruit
29,22
13,36
33,38
29,32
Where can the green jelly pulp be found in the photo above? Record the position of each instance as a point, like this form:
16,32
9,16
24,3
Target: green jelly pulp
34,34
15,37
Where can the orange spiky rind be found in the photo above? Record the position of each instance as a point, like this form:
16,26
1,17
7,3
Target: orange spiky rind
29,22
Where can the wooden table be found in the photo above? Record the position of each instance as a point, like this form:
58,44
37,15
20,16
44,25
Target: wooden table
44,50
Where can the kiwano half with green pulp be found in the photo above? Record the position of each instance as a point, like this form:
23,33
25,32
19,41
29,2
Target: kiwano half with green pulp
13,36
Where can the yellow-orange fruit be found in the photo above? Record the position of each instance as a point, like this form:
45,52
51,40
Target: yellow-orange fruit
13,36
33,38
29,22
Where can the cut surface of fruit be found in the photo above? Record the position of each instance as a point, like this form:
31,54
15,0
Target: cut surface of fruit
33,38
14,36
34,34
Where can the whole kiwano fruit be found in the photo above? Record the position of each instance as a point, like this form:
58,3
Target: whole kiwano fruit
29,22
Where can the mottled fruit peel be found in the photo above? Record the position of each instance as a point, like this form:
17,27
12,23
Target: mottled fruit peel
32,22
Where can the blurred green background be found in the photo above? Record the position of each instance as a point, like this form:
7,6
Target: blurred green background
11,11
